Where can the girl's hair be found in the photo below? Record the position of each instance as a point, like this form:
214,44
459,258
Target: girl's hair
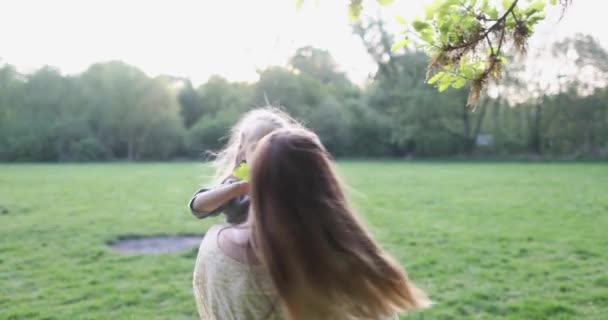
251,127
322,261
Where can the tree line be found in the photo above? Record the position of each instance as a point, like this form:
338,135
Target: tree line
114,111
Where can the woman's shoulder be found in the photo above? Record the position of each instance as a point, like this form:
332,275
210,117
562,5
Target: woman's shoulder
216,228
220,241
212,233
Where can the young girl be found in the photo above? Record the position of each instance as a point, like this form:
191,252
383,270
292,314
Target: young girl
302,253
230,196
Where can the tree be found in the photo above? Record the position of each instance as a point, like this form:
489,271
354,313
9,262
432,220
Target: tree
11,86
466,38
314,90
317,64
191,106
378,43
583,105
128,110
578,64
115,111
298,94
50,103
421,122
221,103
587,56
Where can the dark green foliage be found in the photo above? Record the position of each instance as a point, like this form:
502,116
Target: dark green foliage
113,111
191,106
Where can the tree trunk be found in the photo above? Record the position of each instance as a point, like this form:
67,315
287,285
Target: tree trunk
130,150
466,124
471,133
535,132
590,147
480,117
498,122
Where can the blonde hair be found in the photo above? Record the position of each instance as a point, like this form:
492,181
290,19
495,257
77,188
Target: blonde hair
251,127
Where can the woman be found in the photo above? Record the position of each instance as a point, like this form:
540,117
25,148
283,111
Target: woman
230,197
302,254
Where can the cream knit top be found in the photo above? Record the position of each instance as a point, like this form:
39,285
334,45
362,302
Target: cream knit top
227,289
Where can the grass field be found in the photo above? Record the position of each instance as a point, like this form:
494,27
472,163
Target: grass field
487,241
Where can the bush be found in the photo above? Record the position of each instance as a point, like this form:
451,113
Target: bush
209,133
88,149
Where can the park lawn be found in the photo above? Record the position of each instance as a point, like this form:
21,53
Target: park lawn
486,241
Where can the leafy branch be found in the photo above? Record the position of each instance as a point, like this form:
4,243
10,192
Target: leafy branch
466,39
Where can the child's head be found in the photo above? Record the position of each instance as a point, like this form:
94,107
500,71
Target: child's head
244,136
319,256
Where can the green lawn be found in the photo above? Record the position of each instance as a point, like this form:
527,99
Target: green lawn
487,241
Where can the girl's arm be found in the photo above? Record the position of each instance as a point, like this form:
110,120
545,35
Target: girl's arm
206,202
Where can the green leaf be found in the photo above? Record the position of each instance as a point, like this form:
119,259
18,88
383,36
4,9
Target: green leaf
400,44
537,6
456,17
427,36
493,13
242,172
468,71
445,27
454,37
436,77
506,4
420,25
443,86
510,23
385,2
401,20
459,83
553,2
354,9
429,11
530,12
485,5
445,82
536,18
446,6
518,11
469,24
299,4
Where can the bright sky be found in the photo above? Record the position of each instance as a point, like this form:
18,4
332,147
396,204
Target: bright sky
198,38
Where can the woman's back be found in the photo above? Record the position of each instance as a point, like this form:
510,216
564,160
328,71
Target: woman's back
228,289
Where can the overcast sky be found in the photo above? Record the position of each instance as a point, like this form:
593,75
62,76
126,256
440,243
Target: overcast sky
198,38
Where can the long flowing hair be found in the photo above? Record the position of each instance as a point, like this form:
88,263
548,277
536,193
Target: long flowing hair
250,128
322,261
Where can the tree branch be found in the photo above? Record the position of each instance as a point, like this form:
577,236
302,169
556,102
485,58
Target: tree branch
469,9
490,44
499,21
495,55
